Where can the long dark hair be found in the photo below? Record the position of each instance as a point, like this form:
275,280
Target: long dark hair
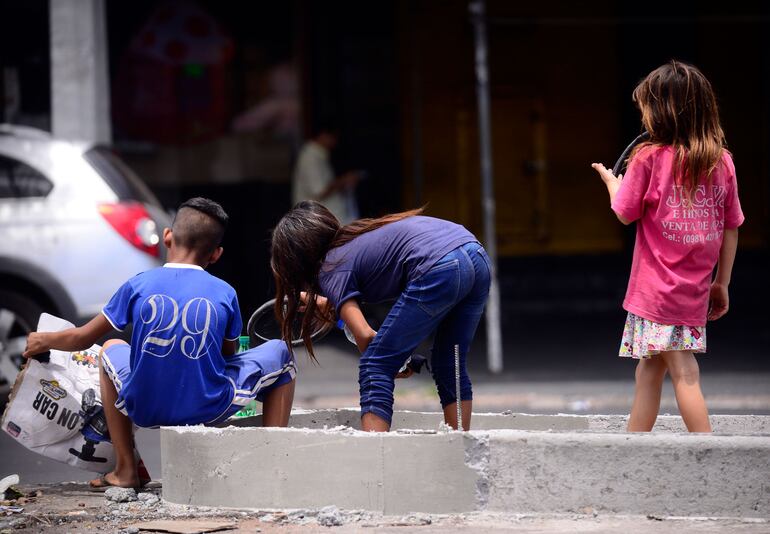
679,108
300,242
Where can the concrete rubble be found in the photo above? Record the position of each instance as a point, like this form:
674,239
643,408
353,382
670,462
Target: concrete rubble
72,508
120,494
330,516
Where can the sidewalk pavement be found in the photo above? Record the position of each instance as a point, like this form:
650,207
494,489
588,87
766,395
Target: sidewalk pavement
50,509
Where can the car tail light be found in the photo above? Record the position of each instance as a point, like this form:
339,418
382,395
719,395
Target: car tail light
131,220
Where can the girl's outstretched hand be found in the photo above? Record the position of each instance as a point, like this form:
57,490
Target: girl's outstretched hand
405,374
363,340
613,184
610,180
321,302
719,301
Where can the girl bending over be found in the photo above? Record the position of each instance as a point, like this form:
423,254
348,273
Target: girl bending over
436,270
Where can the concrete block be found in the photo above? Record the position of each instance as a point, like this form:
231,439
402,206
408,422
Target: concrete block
271,468
529,464
427,473
675,474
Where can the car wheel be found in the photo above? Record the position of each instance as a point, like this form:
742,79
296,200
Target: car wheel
18,317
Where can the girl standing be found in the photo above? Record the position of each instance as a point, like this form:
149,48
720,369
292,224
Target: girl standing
680,189
436,270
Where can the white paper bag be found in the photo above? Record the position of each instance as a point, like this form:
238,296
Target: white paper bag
45,409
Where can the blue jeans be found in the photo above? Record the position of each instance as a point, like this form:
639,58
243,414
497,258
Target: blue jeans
448,299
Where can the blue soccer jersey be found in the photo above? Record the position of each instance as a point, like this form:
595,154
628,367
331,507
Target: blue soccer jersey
180,315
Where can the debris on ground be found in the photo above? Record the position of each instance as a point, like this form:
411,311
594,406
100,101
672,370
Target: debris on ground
116,494
412,520
12,524
148,499
7,492
301,516
184,526
443,428
8,481
73,507
330,516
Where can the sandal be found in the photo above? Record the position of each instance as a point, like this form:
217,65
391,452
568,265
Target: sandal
102,484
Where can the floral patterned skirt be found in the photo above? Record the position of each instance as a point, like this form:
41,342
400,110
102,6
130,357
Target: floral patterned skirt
643,338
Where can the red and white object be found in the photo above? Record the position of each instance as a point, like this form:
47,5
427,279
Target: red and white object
131,220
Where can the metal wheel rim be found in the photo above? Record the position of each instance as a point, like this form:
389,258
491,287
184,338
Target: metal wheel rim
267,307
12,346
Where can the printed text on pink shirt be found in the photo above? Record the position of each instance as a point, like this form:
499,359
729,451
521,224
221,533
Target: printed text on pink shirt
694,220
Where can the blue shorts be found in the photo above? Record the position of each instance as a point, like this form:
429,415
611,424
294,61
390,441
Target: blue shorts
253,373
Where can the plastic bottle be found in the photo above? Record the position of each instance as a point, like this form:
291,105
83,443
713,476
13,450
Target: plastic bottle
348,334
250,409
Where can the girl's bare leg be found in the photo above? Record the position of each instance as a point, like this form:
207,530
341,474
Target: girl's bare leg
450,414
685,375
649,384
373,423
277,405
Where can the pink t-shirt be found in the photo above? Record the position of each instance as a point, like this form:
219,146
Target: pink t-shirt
677,245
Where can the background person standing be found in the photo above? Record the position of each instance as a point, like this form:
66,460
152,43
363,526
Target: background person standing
314,177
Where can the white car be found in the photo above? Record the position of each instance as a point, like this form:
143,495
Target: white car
75,223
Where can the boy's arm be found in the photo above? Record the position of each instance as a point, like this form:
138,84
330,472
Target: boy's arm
229,347
719,296
351,314
71,339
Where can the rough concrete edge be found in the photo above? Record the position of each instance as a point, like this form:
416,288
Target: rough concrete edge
215,430
700,444
481,434
724,424
712,440
477,459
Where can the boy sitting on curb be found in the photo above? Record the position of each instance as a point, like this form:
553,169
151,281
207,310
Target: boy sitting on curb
181,367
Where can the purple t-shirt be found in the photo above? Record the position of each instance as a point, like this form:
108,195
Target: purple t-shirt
378,265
